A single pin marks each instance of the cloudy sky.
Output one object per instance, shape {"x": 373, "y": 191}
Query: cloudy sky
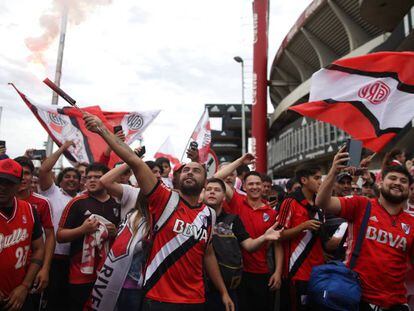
{"x": 133, "y": 55}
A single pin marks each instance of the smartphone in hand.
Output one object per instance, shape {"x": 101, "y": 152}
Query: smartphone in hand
{"x": 39, "y": 154}
{"x": 117, "y": 129}
{"x": 141, "y": 152}
{"x": 354, "y": 148}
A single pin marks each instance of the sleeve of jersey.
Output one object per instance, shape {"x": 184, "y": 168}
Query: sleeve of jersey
{"x": 285, "y": 213}
{"x": 158, "y": 199}
{"x": 239, "y": 230}
{"x": 37, "y": 227}
{"x": 234, "y": 203}
{"x": 352, "y": 207}
{"x": 46, "y": 216}
{"x": 69, "y": 215}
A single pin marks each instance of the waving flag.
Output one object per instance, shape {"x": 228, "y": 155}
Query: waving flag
{"x": 133, "y": 123}
{"x": 370, "y": 97}
{"x": 202, "y": 135}
{"x": 167, "y": 151}
{"x": 63, "y": 124}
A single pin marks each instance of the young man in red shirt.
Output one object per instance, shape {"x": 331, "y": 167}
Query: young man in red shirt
{"x": 79, "y": 219}
{"x": 230, "y": 225}
{"x": 181, "y": 247}
{"x": 388, "y": 243}
{"x": 257, "y": 216}
{"x": 20, "y": 233}
{"x": 302, "y": 243}
{"x": 42, "y": 206}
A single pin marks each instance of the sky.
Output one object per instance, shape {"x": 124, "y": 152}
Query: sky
{"x": 131, "y": 55}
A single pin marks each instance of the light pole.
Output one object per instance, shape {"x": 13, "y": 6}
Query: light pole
{"x": 240, "y": 60}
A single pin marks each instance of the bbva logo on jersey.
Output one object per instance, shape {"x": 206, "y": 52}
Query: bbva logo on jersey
{"x": 385, "y": 237}
{"x": 190, "y": 230}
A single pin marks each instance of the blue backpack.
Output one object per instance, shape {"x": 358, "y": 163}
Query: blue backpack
{"x": 334, "y": 286}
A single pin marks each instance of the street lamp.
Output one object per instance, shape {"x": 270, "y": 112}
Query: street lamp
{"x": 240, "y": 60}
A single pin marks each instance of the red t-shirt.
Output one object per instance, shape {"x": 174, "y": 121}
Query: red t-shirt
{"x": 43, "y": 209}
{"x": 292, "y": 213}
{"x": 383, "y": 261}
{"x": 256, "y": 222}
{"x": 16, "y": 234}
{"x": 174, "y": 270}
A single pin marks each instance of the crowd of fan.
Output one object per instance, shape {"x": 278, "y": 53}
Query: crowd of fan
{"x": 58, "y": 233}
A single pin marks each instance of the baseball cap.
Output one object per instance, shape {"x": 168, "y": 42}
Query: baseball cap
{"x": 343, "y": 175}
{"x": 178, "y": 167}
{"x": 11, "y": 170}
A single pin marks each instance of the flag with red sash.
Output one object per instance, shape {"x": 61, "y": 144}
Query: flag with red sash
{"x": 370, "y": 97}
{"x": 202, "y": 135}
{"x": 167, "y": 151}
{"x": 66, "y": 123}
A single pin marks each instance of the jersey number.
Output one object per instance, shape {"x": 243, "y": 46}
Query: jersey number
{"x": 21, "y": 255}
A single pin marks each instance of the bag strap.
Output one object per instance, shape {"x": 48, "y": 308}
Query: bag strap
{"x": 168, "y": 210}
{"x": 362, "y": 231}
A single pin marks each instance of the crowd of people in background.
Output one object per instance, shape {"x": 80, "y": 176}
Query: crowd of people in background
{"x": 143, "y": 235}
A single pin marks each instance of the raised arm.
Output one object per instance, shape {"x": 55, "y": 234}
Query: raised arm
{"x": 324, "y": 198}
{"x": 109, "y": 181}
{"x": 228, "y": 169}
{"x": 45, "y": 171}
{"x": 146, "y": 179}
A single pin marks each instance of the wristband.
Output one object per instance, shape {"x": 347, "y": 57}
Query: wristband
{"x": 37, "y": 262}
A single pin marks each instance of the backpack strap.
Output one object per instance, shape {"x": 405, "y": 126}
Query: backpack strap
{"x": 362, "y": 231}
{"x": 168, "y": 210}
{"x": 213, "y": 221}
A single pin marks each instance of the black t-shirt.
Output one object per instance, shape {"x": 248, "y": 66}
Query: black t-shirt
{"x": 237, "y": 228}
{"x": 80, "y": 209}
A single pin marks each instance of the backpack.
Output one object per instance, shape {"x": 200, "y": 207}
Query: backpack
{"x": 334, "y": 286}
{"x": 228, "y": 253}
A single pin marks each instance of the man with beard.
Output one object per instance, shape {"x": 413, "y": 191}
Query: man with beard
{"x": 181, "y": 247}
{"x": 83, "y": 216}
{"x": 59, "y": 194}
{"x": 382, "y": 261}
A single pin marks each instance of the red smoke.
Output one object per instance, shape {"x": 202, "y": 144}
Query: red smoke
{"x": 50, "y": 22}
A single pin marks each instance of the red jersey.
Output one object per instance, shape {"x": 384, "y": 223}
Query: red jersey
{"x": 17, "y": 231}
{"x": 298, "y": 256}
{"x": 256, "y": 221}
{"x": 43, "y": 209}
{"x": 383, "y": 260}
{"x": 174, "y": 270}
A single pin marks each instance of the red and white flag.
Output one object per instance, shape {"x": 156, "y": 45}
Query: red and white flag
{"x": 202, "y": 135}
{"x": 370, "y": 97}
{"x": 167, "y": 151}
{"x": 133, "y": 123}
{"x": 66, "y": 123}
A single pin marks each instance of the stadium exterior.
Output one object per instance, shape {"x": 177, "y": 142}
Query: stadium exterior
{"x": 328, "y": 30}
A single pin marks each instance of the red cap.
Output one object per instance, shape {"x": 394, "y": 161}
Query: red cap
{"x": 178, "y": 167}
{"x": 11, "y": 170}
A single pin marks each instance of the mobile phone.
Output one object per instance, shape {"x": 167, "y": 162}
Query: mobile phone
{"x": 2, "y": 144}
{"x": 117, "y": 129}
{"x": 39, "y": 154}
{"x": 354, "y": 148}
{"x": 194, "y": 145}
{"x": 141, "y": 152}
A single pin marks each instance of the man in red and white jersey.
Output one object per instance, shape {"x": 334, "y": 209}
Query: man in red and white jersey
{"x": 42, "y": 206}
{"x": 20, "y": 233}
{"x": 181, "y": 247}
{"x": 382, "y": 262}
{"x": 257, "y": 216}
{"x": 302, "y": 243}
